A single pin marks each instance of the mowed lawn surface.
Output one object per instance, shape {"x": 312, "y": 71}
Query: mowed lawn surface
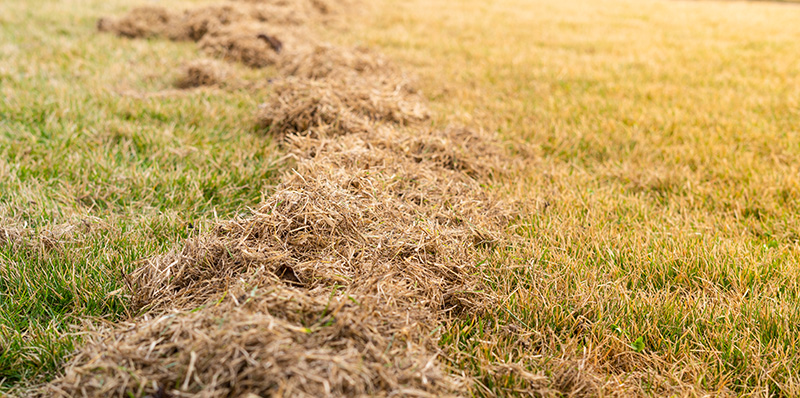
{"x": 662, "y": 239}
{"x": 102, "y": 165}
{"x": 659, "y": 143}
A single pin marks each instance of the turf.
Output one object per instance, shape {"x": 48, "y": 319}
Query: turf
{"x": 96, "y": 176}
{"x": 662, "y": 181}
{"x": 664, "y": 178}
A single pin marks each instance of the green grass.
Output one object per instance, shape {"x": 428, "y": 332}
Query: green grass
{"x": 97, "y": 176}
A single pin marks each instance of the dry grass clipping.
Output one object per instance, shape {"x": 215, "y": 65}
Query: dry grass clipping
{"x": 273, "y": 341}
{"x": 335, "y": 107}
{"x": 324, "y": 60}
{"x": 141, "y": 22}
{"x": 202, "y": 73}
{"x": 245, "y": 43}
{"x": 361, "y": 234}
{"x": 337, "y": 283}
{"x": 194, "y": 24}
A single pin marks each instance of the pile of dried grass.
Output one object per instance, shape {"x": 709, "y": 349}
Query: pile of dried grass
{"x": 202, "y": 73}
{"x": 336, "y": 285}
{"x": 236, "y": 32}
{"x": 245, "y": 43}
{"x": 356, "y": 213}
{"x": 269, "y": 341}
{"x": 361, "y": 233}
{"x": 325, "y": 61}
{"x": 194, "y": 24}
{"x": 332, "y": 107}
{"x": 141, "y": 22}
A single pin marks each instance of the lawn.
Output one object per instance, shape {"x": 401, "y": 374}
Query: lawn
{"x": 656, "y": 143}
{"x": 96, "y": 176}
{"x": 661, "y": 244}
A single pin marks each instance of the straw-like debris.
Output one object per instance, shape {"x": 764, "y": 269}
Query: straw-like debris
{"x": 324, "y": 60}
{"x": 269, "y": 341}
{"x": 357, "y": 210}
{"x": 385, "y": 241}
{"x": 245, "y": 43}
{"x": 335, "y": 107}
{"x": 195, "y": 24}
{"x": 203, "y": 73}
{"x": 337, "y": 283}
{"x": 141, "y": 22}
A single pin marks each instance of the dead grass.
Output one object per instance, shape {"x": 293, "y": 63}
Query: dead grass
{"x": 203, "y": 73}
{"x": 271, "y": 340}
{"x": 327, "y": 61}
{"x": 338, "y": 283}
{"x": 236, "y": 32}
{"x": 241, "y": 42}
{"x": 362, "y": 229}
{"x": 336, "y": 107}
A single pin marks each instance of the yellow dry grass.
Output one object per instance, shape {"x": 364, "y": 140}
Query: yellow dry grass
{"x": 661, "y": 251}
{"x": 338, "y": 283}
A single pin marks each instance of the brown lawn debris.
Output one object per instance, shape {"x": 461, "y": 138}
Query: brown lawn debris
{"x": 141, "y": 22}
{"x": 275, "y": 340}
{"x": 325, "y": 60}
{"x": 383, "y": 240}
{"x": 335, "y": 107}
{"x": 202, "y": 73}
{"x": 338, "y": 283}
{"x": 194, "y": 24}
{"x": 247, "y": 43}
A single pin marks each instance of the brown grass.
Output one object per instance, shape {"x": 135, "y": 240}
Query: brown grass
{"x": 252, "y": 34}
{"x": 338, "y": 282}
{"x": 365, "y": 224}
{"x": 141, "y": 22}
{"x": 272, "y": 340}
{"x": 202, "y": 73}
{"x": 336, "y": 107}
{"x": 324, "y": 60}
{"x": 241, "y": 42}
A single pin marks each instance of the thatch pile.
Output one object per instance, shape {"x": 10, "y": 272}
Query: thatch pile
{"x": 319, "y": 61}
{"x": 336, "y": 107}
{"x": 272, "y": 340}
{"x": 252, "y": 33}
{"x": 338, "y": 283}
{"x": 203, "y": 72}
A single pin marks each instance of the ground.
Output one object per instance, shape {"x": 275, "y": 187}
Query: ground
{"x": 657, "y": 145}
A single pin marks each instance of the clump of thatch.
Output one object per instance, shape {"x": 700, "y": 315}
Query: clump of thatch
{"x": 140, "y": 22}
{"x": 245, "y": 43}
{"x": 335, "y": 107}
{"x": 194, "y": 24}
{"x": 379, "y": 233}
{"x": 338, "y": 281}
{"x": 203, "y": 73}
{"x": 359, "y": 213}
{"x": 324, "y": 60}
{"x": 474, "y": 153}
{"x": 269, "y": 341}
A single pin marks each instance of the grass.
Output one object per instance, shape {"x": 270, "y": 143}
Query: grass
{"x": 95, "y": 176}
{"x": 661, "y": 240}
{"x": 663, "y": 182}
